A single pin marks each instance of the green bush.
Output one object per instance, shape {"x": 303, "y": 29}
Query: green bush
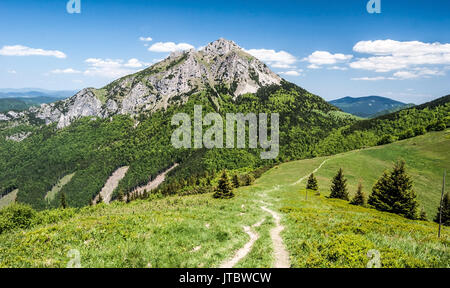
{"x": 419, "y": 130}
{"x": 16, "y": 216}
{"x": 437, "y": 126}
{"x": 407, "y": 134}
{"x": 386, "y": 139}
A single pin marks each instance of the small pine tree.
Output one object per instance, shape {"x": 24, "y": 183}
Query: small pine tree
{"x": 393, "y": 193}
{"x": 360, "y": 198}
{"x": 339, "y": 186}
{"x": 423, "y": 215}
{"x": 236, "y": 183}
{"x": 249, "y": 179}
{"x": 100, "y": 199}
{"x": 63, "y": 201}
{"x": 445, "y": 211}
{"x": 121, "y": 195}
{"x": 312, "y": 183}
{"x": 128, "y": 197}
{"x": 225, "y": 188}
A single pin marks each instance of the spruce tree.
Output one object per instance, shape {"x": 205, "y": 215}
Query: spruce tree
{"x": 121, "y": 195}
{"x": 360, "y": 198}
{"x": 339, "y": 186}
{"x": 249, "y": 179}
{"x": 236, "y": 183}
{"x": 312, "y": 183}
{"x": 423, "y": 215}
{"x": 445, "y": 211}
{"x": 393, "y": 193}
{"x": 225, "y": 188}
{"x": 100, "y": 199}
{"x": 63, "y": 201}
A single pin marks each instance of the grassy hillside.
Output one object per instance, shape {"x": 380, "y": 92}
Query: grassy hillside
{"x": 407, "y": 123}
{"x": 426, "y": 158}
{"x": 94, "y": 148}
{"x": 199, "y": 231}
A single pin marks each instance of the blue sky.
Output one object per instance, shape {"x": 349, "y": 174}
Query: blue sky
{"x": 331, "y": 48}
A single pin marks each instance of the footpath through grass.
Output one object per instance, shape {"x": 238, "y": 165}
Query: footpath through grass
{"x": 323, "y": 232}
{"x": 199, "y": 231}
{"x": 189, "y": 231}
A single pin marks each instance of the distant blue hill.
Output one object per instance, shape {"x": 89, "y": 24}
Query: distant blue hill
{"x": 22, "y": 99}
{"x": 370, "y": 106}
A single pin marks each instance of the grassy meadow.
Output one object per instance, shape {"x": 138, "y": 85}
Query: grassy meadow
{"x": 200, "y": 231}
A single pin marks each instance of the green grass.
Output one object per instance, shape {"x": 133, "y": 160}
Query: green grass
{"x": 55, "y": 189}
{"x": 426, "y": 158}
{"x": 320, "y": 232}
{"x": 100, "y": 94}
{"x": 158, "y": 233}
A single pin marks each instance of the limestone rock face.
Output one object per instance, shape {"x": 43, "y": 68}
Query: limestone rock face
{"x": 221, "y": 63}
{"x": 84, "y": 103}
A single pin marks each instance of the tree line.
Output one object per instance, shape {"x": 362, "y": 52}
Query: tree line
{"x": 393, "y": 192}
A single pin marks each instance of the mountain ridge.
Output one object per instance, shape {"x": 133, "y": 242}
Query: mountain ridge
{"x": 221, "y": 64}
{"x": 369, "y": 106}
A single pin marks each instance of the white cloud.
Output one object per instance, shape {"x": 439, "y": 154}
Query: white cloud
{"x": 291, "y": 73}
{"x": 338, "y": 68}
{"x": 166, "y": 47}
{"x": 398, "y": 48}
{"x": 12, "y": 71}
{"x": 405, "y": 75}
{"x": 282, "y": 66}
{"x": 391, "y": 55}
{"x": 325, "y": 58}
{"x": 417, "y": 73}
{"x": 314, "y": 66}
{"x": 65, "y": 71}
{"x": 280, "y": 59}
{"x": 111, "y": 68}
{"x": 19, "y": 50}
{"x": 373, "y": 78}
{"x": 135, "y": 63}
{"x": 146, "y": 39}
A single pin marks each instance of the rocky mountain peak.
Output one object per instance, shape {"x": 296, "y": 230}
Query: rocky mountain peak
{"x": 221, "y": 47}
{"x": 221, "y": 63}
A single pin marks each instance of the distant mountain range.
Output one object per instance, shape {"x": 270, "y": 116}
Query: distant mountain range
{"x": 370, "y": 106}
{"x": 22, "y": 99}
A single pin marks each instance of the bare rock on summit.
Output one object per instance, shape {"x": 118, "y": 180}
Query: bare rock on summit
{"x": 221, "y": 63}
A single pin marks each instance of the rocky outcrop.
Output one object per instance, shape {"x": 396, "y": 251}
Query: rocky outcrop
{"x": 19, "y": 137}
{"x": 221, "y": 63}
{"x": 84, "y": 103}
{"x": 3, "y": 117}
